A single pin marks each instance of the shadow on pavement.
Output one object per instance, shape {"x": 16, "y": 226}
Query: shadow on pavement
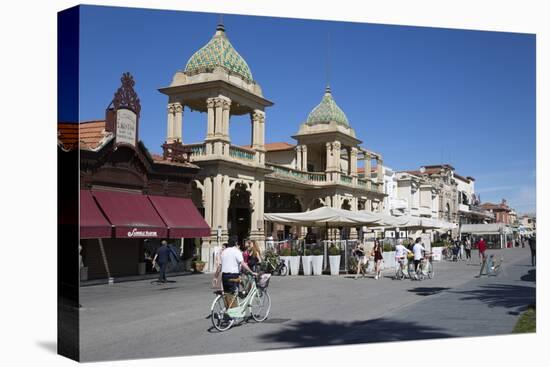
{"x": 50, "y": 346}
{"x": 428, "y": 291}
{"x": 531, "y": 276}
{"x": 502, "y": 295}
{"x": 319, "y": 333}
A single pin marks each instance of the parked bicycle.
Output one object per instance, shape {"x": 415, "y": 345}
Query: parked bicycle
{"x": 249, "y": 301}
{"x": 275, "y": 266}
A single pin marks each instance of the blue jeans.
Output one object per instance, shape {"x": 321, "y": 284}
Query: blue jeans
{"x": 162, "y": 272}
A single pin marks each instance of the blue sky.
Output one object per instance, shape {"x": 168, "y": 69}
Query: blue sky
{"x": 416, "y": 95}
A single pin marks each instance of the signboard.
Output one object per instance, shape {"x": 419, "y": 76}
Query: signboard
{"x": 126, "y": 127}
{"x": 135, "y": 233}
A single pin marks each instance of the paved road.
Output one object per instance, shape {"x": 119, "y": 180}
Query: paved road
{"x": 141, "y": 320}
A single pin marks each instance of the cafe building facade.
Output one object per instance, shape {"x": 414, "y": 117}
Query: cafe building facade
{"x": 129, "y": 200}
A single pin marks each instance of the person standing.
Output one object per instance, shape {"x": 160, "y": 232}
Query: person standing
{"x": 482, "y": 247}
{"x": 253, "y": 257}
{"x": 377, "y": 252}
{"x": 162, "y": 257}
{"x": 468, "y": 248}
{"x": 360, "y": 257}
{"x": 418, "y": 252}
{"x": 533, "y": 248}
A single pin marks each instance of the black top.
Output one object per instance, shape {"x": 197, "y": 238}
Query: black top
{"x": 163, "y": 254}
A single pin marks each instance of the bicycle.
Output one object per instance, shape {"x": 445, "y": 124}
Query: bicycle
{"x": 270, "y": 265}
{"x": 254, "y": 303}
{"x": 425, "y": 268}
{"x": 401, "y": 266}
{"x": 490, "y": 267}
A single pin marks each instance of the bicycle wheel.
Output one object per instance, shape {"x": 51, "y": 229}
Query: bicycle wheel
{"x": 220, "y": 319}
{"x": 283, "y": 271}
{"x": 260, "y": 305}
{"x": 411, "y": 272}
{"x": 430, "y": 270}
{"x": 399, "y": 273}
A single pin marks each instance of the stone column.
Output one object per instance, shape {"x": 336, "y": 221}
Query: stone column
{"x": 217, "y": 202}
{"x": 304, "y": 158}
{"x": 170, "y": 122}
{"x": 329, "y": 156}
{"x": 225, "y": 118}
{"x": 218, "y": 123}
{"x": 208, "y": 201}
{"x": 224, "y": 204}
{"x": 336, "y": 156}
{"x": 380, "y": 170}
{"x": 178, "y": 121}
{"x": 368, "y": 163}
{"x": 353, "y": 162}
{"x": 298, "y": 157}
{"x": 211, "y": 116}
{"x": 257, "y": 119}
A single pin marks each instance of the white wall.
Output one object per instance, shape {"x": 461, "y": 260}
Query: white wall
{"x": 285, "y": 158}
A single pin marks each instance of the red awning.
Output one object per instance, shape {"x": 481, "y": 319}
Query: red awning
{"x": 92, "y": 222}
{"x": 181, "y": 216}
{"x": 133, "y": 215}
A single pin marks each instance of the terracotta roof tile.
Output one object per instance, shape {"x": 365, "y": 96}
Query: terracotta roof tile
{"x": 277, "y": 146}
{"x": 88, "y": 134}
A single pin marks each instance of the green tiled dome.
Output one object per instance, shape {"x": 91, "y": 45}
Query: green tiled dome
{"x": 327, "y": 111}
{"x": 218, "y": 52}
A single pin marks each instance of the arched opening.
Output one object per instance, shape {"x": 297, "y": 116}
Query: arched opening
{"x": 448, "y": 212}
{"x": 346, "y": 205}
{"x": 239, "y": 213}
{"x": 280, "y": 202}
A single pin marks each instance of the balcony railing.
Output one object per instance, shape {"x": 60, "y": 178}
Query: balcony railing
{"x": 346, "y": 179}
{"x": 197, "y": 150}
{"x": 241, "y": 153}
{"x": 317, "y": 177}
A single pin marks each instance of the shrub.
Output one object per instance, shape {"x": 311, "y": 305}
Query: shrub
{"x": 316, "y": 252}
{"x": 333, "y": 250}
{"x": 387, "y": 247}
{"x": 293, "y": 252}
{"x": 285, "y": 252}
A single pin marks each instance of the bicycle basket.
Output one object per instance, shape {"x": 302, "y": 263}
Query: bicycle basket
{"x": 263, "y": 280}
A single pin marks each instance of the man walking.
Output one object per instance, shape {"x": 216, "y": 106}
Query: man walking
{"x": 533, "y": 248}
{"x": 482, "y": 247}
{"x": 232, "y": 261}
{"x": 162, "y": 257}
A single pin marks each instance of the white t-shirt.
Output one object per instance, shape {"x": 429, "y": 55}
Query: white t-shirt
{"x": 417, "y": 250}
{"x": 231, "y": 259}
{"x": 400, "y": 251}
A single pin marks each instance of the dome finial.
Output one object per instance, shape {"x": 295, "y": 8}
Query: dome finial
{"x": 220, "y": 27}
{"x": 327, "y": 90}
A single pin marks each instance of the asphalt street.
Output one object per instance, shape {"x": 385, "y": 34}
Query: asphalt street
{"x": 141, "y": 319}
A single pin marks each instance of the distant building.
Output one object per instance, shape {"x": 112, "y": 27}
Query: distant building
{"x": 502, "y": 212}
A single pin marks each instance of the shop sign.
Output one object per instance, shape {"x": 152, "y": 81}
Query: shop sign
{"x": 126, "y": 123}
{"x": 142, "y": 233}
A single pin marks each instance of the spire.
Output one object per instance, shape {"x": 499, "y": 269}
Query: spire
{"x": 220, "y": 28}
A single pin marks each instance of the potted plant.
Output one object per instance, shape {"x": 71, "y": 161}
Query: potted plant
{"x": 294, "y": 262}
{"x": 306, "y": 262}
{"x": 334, "y": 260}
{"x": 317, "y": 261}
{"x": 198, "y": 265}
{"x": 285, "y": 256}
